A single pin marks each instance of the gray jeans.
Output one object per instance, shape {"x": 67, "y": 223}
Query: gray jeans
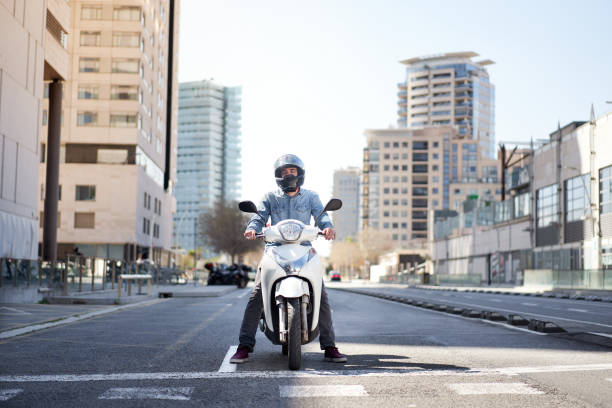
{"x": 252, "y": 315}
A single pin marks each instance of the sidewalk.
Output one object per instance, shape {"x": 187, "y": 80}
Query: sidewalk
{"x": 111, "y": 296}
{"x": 19, "y": 319}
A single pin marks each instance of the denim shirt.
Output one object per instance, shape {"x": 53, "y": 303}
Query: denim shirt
{"x": 280, "y": 206}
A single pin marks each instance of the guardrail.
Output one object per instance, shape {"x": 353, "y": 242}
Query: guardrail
{"x": 78, "y": 273}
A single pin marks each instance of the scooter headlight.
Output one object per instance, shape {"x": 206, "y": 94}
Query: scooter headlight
{"x": 290, "y": 231}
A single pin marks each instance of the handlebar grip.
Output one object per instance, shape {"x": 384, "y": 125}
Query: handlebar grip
{"x": 321, "y": 233}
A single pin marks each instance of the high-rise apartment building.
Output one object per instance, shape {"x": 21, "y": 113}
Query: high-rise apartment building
{"x": 450, "y": 89}
{"x": 346, "y": 188}
{"x": 209, "y": 151}
{"x": 117, "y": 158}
{"x": 407, "y": 172}
{"x": 33, "y": 48}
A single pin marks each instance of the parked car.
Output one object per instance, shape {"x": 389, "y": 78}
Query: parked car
{"x": 222, "y": 274}
{"x": 335, "y": 276}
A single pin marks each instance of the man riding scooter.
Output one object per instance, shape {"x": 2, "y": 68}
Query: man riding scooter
{"x": 289, "y": 202}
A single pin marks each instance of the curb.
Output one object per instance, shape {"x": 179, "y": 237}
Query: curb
{"x": 7, "y": 334}
{"x": 547, "y": 294}
{"x": 539, "y": 326}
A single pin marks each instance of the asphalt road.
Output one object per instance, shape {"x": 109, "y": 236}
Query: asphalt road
{"x": 172, "y": 352}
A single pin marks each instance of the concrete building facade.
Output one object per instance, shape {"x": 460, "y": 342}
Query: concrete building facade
{"x": 559, "y": 219}
{"x": 408, "y": 172}
{"x": 346, "y": 188}
{"x": 118, "y": 145}
{"x": 209, "y": 153}
{"x": 450, "y": 89}
{"x": 33, "y": 46}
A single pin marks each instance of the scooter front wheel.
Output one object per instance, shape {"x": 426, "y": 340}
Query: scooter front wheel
{"x": 294, "y": 335}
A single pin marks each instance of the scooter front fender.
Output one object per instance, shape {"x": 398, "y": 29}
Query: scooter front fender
{"x": 291, "y": 287}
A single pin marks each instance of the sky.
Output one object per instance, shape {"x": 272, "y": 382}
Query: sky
{"x": 316, "y": 74}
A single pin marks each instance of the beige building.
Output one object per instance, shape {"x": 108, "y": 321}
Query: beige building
{"x": 33, "y": 47}
{"x": 449, "y": 89}
{"x": 346, "y": 188}
{"x": 118, "y": 150}
{"x": 408, "y": 172}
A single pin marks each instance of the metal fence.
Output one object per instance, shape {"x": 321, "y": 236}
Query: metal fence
{"x": 597, "y": 279}
{"x": 78, "y": 273}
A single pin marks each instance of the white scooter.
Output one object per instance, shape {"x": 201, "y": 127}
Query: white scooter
{"x": 291, "y": 281}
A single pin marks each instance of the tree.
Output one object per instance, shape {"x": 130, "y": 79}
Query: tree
{"x": 222, "y": 228}
{"x": 345, "y": 255}
{"x": 374, "y": 243}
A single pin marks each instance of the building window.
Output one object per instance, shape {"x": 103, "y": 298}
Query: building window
{"x": 85, "y": 193}
{"x": 44, "y": 117}
{"x": 90, "y": 12}
{"x": 419, "y": 226}
{"x": 90, "y": 38}
{"x": 87, "y": 118}
{"x": 126, "y": 39}
{"x": 419, "y": 145}
{"x": 125, "y": 65}
{"x": 419, "y": 157}
{"x": 87, "y": 64}
{"x": 126, "y": 13}
{"x": 419, "y": 168}
{"x": 124, "y": 92}
{"x": 419, "y": 203}
{"x": 605, "y": 190}
{"x": 577, "y": 197}
{"x": 146, "y": 226}
{"x": 547, "y": 206}
{"x": 84, "y": 220}
{"x": 123, "y": 119}
{"x": 89, "y": 91}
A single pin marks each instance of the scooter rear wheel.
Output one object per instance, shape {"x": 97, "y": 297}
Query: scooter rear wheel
{"x": 285, "y": 349}
{"x": 294, "y": 335}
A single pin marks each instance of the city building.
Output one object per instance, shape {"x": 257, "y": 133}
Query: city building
{"x": 450, "y": 89}
{"x": 346, "y": 188}
{"x": 407, "y": 172}
{"x": 35, "y": 49}
{"x": 209, "y": 166}
{"x": 557, "y": 219}
{"x": 117, "y": 154}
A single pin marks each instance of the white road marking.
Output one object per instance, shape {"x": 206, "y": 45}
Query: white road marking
{"x": 495, "y": 300}
{"x": 6, "y": 395}
{"x": 15, "y": 310}
{"x": 164, "y": 393}
{"x": 493, "y": 388}
{"x": 510, "y": 371}
{"x": 577, "y": 310}
{"x": 226, "y": 366}
{"x": 601, "y": 334}
{"x": 246, "y": 292}
{"x": 36, "y": 327}
{"x": 529, "y": 304}
{"x": 308, "y": 391}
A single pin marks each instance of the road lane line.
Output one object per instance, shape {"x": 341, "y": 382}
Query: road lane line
{"x": 246, "y": 292}
{"x": 526, "y": 313}
{"x": 601, "y": 334}
{"x": 508, "y": 371}
{"x": 164, "y": 393}
{"x": 493, "y": 388}
{"x": 6, "y": 395}
{"x": 495, "y": 300}
{"x": 187, "y": 337}
{"x": 309, "y": 391}
{"x": 577, "y": 310}
{"x": 529, "y": 304}
{"x": 14, "y": 310}
{"x": 226, "y": 366}
{"x": 36, "y": 327}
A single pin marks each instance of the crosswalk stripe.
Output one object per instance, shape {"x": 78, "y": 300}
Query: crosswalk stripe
{"x": 163, "y": 393}
{"x": 6, "y": 395}
{"x": 307, "y": 391}
{"x": 493, "y": 388}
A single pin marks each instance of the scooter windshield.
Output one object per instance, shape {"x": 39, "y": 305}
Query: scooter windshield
{"x": 291, "y": 259}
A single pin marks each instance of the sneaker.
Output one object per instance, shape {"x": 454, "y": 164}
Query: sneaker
{"x": 241, "y": 355}
{"x": 332, "y": 354}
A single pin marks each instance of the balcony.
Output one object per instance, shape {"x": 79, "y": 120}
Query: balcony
{"x": 463, "y": 95}
{"x": 466, "y": 85}
{"x": 402, "y": 85}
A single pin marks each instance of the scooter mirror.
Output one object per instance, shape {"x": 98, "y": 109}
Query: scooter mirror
{"x": 247, "y": 206}
{"x": 333, "y": 205}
